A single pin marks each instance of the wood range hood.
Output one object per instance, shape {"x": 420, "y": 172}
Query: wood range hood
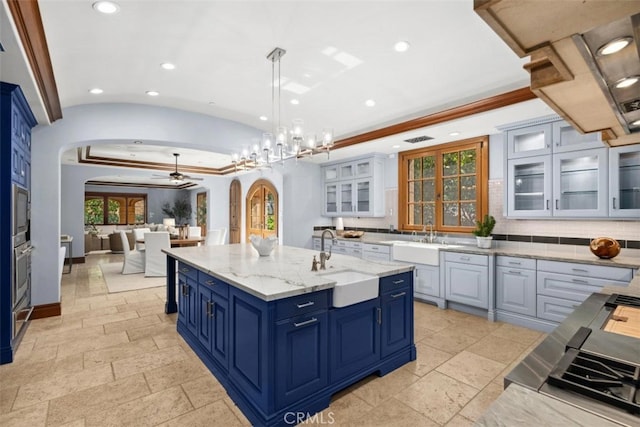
{"x": 561, "y": 38}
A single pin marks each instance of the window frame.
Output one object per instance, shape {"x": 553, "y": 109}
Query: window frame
{"x": 481, "y": 145}
{"x": 105, "y": 205}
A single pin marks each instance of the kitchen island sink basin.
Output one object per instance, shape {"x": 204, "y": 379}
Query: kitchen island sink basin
{"x": 352, "y": 287}
{"x": 419, "y": 253}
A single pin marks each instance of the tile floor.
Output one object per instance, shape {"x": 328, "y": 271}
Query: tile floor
{"x": 116, "y": 359}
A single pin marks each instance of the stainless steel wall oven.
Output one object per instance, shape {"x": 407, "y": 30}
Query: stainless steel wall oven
{"x": 21, "y": 286}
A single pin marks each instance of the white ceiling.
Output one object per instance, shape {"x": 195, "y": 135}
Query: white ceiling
{"x": 342, "y": 51}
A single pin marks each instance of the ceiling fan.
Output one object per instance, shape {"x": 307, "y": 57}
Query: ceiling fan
{"x": 176, "y": 176}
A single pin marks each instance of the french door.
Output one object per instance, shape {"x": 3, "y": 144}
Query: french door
{"x": 262, "y": 210}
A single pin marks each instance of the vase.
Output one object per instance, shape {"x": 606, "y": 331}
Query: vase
{"x": 484, "y": 242}
{"x": 605, "y": 247}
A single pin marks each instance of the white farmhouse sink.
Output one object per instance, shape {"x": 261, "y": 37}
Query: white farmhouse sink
{"x": 352, "y": 287}
{"x": 419, "y": 253}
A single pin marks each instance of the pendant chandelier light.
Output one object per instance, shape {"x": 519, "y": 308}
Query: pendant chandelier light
{"x": 281, "y": 143}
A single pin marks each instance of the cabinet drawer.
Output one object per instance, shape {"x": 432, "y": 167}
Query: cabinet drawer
{"x": 555, "y": 309}
{"x": 393, "y": 283}
{"x": 216, "y": 285}
{"x": 301, "y": 304}
{"x": 375, "y": 256}
{"x": 516, "y": 262}
{"x": 187, "y": 270}
{"x": 568, "y": 287}
{"x": 351, "y": 245}
{"x": 383, "y": 249}
{"x": 466, "y": 258}
{"x": 619, "y": 274}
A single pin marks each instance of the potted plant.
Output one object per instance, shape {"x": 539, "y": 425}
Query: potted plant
{"x": 483, "y": 231}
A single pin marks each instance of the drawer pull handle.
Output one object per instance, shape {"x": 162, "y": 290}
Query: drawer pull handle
{"x": 210, "y": 282}
{"x": 398, "y": 282}
{"x": 184, "y": 270}
{"x": 306, "y": 322}
{"x": 210, "y": 306}
{"x": 515, "y": 272}
{"x": 306, "y": 304}
{"x": 398, "y": 295}
{"x": 379, "y": 316}
{"x": 586, "y": 282}
{"x": 374, "y": 248}
{"x": 465, "y": 258}
{"x": 515, "y": 262}
{"x": 580, "y": 270}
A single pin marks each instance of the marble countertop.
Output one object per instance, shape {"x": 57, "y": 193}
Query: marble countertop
{"x": 284, "y": 273}
{"x": 545, "y": 252}
{"x": 518, "y": 405}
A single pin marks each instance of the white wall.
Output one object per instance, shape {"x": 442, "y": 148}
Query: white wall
{"x": 104, "y": 123}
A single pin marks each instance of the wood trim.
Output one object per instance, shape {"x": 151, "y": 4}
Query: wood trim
{"x": 26, "y": 15}
{"x": 480, "y": 106}
{"x": 46, "y": 310}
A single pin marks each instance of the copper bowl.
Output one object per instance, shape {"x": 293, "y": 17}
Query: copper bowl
{"x": 604, "y": 247}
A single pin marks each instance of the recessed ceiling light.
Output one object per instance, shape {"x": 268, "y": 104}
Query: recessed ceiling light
{"x": 263, "y": 118}
{"x": 401, "y": 46}
{"x": 106, "y": 7}
{"x": 137, "y": 142}
{"x": 168, "y": 66}
{"x": 636, "y": 123}
{"x": 212, "y": 103}
{"x": 96, "y": 91}
{"x": 454, "y": 133}
{"x": 395, "y": 146}
{"x": 627, "y": 81}
{"x": 152, "y": 93}
{"x": 295, "y": 102}
{"x": 615, "y": 45}
{"x": 370, "y": 103}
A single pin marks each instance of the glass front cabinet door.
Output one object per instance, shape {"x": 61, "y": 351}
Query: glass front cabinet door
{"x": 331, "y": 199}
{"x": 580, "y": 183}
{"x": 529, "y": 141}
{"x": 529, "y": 187}
{"x": 624, "y": 176}
{"x": 566, "y": 138}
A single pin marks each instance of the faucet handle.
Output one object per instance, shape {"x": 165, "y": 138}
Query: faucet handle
{"x": 314, "y": 264}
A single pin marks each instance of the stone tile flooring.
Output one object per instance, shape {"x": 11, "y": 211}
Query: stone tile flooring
{"x": 116, "y": 359}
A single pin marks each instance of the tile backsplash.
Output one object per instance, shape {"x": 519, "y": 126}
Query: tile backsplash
{"x": 569, "y": 228}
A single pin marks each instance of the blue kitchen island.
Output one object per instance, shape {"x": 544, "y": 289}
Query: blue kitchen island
{"x": 267, "y": 328}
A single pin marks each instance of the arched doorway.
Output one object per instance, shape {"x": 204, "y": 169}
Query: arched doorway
{"x": 262, "y": 209}
{"x": 235, "y": 211}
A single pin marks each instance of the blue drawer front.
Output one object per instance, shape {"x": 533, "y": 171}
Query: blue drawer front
{"x": 393, "y": 283}
{"x": 187, "y": 270}
{"x": 302, "y": 304}
{"x": 216, "y": 285}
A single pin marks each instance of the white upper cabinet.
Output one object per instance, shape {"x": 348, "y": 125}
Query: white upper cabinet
{"x": 529, "y": 141}
{"x": 580, "y": 183}
{"x": 624, "y": 167}
{"x": 354, "y": 188}
{"x": 566, "y": 138}
{"x": 554, "y": 171}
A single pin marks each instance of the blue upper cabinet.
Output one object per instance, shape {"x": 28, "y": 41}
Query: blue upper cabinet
{"x": 17, "y": 137}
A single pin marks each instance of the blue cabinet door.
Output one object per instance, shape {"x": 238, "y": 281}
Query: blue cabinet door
{"x": 213, "y": 324}
{"x": 301, "y": 357}
{"x": 397, "y": 320}
{"x": 250, "y": 342}
{"x": 355, "y": 338}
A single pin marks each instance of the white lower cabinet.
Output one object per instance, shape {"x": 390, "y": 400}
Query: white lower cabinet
{"x": 516, "y": 285}
{"x": 426, "y": 281}
{"x": 467, "y": 279}
{"x": 372, "y": 252}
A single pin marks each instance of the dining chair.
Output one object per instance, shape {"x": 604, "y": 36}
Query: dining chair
{"x": 138, "y": 234}
{"x": 216, "y": 236}
{"x": 155, "y": 261}
{"x": 195, "y": 232}
{"x": 133, "y": 258}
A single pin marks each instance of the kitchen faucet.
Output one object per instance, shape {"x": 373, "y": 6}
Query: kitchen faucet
{"x": 323, "y": 255}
